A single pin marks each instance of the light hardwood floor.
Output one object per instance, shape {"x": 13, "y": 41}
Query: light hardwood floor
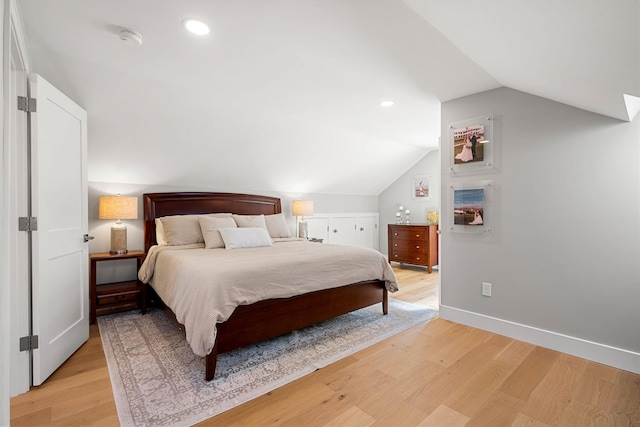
{"x": 435, "y": 374}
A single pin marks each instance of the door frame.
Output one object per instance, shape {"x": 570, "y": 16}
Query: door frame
{"x": 15, "y": 369}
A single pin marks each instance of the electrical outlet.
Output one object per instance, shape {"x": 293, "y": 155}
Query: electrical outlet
{"x": 486, "y": 289}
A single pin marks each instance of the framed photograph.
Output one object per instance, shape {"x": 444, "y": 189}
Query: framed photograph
{"x": 470, "y": 207}
{"x": 420, "y": 187}
{"x": 472, "y": 145}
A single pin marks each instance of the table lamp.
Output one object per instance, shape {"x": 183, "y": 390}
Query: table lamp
{"x": 118, "y": 208}
{"x": 302, "y": 208}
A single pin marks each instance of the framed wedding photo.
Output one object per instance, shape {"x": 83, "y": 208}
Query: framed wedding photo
{"x": 471, "y": 145}
{"x": 469, "y": 207}
{"x": 420, "y": 187}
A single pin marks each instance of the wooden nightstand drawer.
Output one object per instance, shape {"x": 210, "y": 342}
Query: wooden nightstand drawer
{"x": 115, "y": 293}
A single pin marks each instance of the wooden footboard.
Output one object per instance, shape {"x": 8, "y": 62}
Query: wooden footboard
{"x": 263, "y": 320}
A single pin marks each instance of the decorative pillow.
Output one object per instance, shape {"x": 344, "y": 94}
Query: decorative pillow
{"x": 209, "y": 226}
{"x": 181, "y": 230}
{"x": 160, "y": 239}
{"x": 177, "y": 222}
{"x": 255, "y": 221}
{"x": 277, "y": 225}
{"x": 247, "y": 237}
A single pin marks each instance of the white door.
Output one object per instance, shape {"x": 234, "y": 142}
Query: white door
{"x": 317, "y": 228}
{"x": 367, "y": 232}
{"x": 59, "y": 202}
{"x": 342, "y": 231}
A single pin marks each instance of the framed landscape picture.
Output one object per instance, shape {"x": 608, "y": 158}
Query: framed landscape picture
{"x": 420, "y": 187}
{"x": 469, "y": 207}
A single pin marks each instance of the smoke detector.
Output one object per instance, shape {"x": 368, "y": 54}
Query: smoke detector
{"x": 130, "y": 37}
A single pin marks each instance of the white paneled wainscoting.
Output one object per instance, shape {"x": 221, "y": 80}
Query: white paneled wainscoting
{"x": 354, "y": 229}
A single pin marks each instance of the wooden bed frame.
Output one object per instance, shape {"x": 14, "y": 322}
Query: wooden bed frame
{"x": 265, "y": 319}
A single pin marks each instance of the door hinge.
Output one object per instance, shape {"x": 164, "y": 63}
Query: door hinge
{"x": 27, "y": 223}
{"x": 28, "y": 105}
{"x": 29, "y": 343}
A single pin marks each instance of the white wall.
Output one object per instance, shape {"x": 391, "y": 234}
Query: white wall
{"x": 565, "y": 243}
{"x": 400, "y": 193}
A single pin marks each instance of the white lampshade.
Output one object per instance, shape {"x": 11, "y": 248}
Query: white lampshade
{"x": 302, "y": 208}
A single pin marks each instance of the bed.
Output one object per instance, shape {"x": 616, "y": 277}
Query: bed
{"x": 255, "y": 318}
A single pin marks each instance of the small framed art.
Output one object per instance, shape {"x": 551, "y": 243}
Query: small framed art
{"x": 420, "y": 187}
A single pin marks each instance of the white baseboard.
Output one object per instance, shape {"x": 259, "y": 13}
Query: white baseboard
{"x": 601, "y": 353}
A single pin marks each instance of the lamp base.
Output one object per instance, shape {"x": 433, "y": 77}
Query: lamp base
{"x": 118, "y": 240}
{"x": 303, "y": 230}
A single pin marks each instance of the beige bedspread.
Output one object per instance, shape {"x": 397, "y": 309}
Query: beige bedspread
{"x": 204, "y": 286}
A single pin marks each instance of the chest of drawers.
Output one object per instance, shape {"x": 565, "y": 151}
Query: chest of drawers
{"x": 414, "y": 244}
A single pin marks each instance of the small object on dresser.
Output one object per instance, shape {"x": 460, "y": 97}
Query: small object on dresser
{"x": 316, "y": 240}
{"x": 432, "y": 217}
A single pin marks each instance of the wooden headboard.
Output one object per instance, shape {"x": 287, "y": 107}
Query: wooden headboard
{"x": 163, "y": 204}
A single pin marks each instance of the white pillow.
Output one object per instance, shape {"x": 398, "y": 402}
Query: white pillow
{"x": 209, "y": 226}
{"x": 277, "y": 225}
{"x": 181, "y": 224}
{"x": 255, "y": 221}
{"x": 160, "y": 239}
{"x": 247, "y": 237}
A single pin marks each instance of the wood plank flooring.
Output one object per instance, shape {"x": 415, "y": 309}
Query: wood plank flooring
{"x": 435, "y": 374}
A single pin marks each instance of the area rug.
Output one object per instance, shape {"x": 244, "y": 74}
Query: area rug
{"x": 158, "y": 381}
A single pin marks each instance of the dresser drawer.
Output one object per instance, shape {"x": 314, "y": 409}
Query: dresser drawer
{"x": 414, "y": 246}
{"x": 408, "y": 233}
{"x": 409, "y": 257}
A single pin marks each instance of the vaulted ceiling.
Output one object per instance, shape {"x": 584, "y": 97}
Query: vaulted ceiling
{"x": 283, "y": 95}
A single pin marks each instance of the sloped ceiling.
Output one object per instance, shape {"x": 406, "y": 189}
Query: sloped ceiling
{"x": 283, "y": 95}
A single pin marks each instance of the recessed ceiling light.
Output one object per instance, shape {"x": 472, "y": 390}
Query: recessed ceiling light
{"x": 387, "y": 103}
{"x": 196, "y": 27}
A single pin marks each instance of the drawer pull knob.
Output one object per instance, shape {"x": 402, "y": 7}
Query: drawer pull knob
{"x": 418, "y": 247}
{"x": 417, "y": 235}
{"x": 395, "y": 244}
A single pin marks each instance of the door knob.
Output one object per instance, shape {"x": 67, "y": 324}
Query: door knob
{"x": 86, "y": 238}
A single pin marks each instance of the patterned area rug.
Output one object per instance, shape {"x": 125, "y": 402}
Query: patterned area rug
{"x": 158, "y": 381}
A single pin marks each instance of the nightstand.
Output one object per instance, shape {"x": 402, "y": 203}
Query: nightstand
{"x": 110, "y": 298}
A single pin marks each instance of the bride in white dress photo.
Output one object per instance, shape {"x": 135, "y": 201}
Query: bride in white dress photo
{"x": 477, "y": 220}
{"x": 466, "y": 155}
